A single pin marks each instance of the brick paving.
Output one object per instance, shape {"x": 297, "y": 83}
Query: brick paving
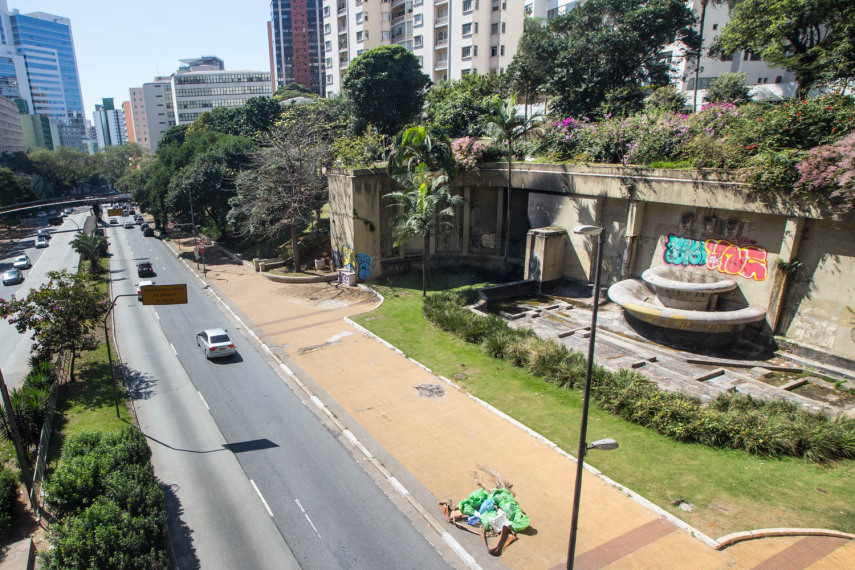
{"x": 441, "y": 441}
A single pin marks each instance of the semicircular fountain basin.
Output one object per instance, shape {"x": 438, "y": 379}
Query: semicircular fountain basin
{"x": 683, "y": 301}
{"x": 680, "y": 288}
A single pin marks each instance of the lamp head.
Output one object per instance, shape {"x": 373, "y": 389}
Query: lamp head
{"x": 588, "y": 230}
{"x": 604, "y": 444}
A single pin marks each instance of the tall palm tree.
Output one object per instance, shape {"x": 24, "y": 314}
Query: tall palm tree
{"x": 424, "y": 203}
{"x": 505, "y": 125}
{"x": 91, "y": 247}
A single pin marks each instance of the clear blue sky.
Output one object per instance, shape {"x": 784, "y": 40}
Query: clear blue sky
{"x": 124, "y": 44}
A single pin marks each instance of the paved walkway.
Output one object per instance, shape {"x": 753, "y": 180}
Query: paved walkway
{"x": 441, "y": 441}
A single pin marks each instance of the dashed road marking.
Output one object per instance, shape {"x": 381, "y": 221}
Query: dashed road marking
{"x": 260, "y": 496}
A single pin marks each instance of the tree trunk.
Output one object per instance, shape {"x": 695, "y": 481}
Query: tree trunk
{"x": 424, "y": 264}
{"x": 71, "y": 369}
{"x": 295, "y": 249}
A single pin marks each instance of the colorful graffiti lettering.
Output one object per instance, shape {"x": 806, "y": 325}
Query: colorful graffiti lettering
{"x": 718, "y": 254}
{"x": 684, "y": 251}
{"x": 364, "y": 261}
{"x": 349, "y": 258}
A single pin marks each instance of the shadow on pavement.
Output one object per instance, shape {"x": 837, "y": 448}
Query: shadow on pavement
{"x": 141, "y": 386}
{"x": 180, "y": 536}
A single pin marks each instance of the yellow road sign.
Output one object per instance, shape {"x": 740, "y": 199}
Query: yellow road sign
{"x": 164, "y": 294}
{"x": 117, "y": 212}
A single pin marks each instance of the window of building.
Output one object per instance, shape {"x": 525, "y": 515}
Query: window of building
{"x": 359, "y": 52}
{"x": 359, "y": 36}
{"x": 387, "y": 17}
{"x": 494, "y": 29}
{"x": 418, "y": 20}
{"x": 751, "y": 56}
{"x": 385, "y": 35}
{"x": 552, "y": 13}
{"x": 496, "y": 4}
{"x": 467, "y": 29}
{"x": 466, "y": 52}
{"x": 494, "y": 51}
{"x": 467, "y": 6}
{"x": 329, "y": 78}
{"x": 328, "y": 45}
{"x": 476, "y": 27}
{"x": 502, "y": 50}
{"x": 326, "y": 11}
{"x": 421, "y": 61}
{"x": 727, "y": 57}
{"x": 475, "y": 51}
{"x": 359, "y": 17}
{"x": 715, "y": 26}
{"x": 329, "y": 62}
{"x": 779, "y": 79}
{"x": 327, "y": 29}
{"x": 418, "y": 41}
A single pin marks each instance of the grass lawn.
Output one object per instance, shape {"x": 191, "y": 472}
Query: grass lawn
{"x": 730, "y": 490}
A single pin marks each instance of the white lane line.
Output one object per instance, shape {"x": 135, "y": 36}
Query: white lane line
{"x": 305, "y": 514}
{"x": 203, "y": 400}
{"x": 173, "y": 349}
{"x": 156, "y": 316}
{"x": 260, "y": 496}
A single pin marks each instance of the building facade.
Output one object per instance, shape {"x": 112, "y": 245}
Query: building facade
{"x": 39, "y": 132}
{"x": 296, "y": 44}
{"x": 158, "y": 110}
{"x": 110, "y": 126}
{"x": 39, "y": 49}
{"x": 11, "y": 132}
{"x": 129, "y": 121}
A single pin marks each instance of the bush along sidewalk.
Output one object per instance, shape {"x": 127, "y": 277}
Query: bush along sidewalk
{"x": 736, "y": 421}
{"x": 108, "y": 504}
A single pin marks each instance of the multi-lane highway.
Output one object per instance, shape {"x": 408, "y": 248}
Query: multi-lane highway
{"x": 15, "y": 347}
{"x": 253, "y": 478}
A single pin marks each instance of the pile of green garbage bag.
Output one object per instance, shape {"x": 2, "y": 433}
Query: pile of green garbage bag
{"x": 482, "y": 507}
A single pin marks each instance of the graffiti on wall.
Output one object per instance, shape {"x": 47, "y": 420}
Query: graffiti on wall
{"x": 363, "y": 260}
{"x": 349, "y": 261}
{"x": 718, "y": 254}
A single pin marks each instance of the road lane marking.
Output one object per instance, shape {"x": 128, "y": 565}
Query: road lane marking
{"x": 260, "y": 496}
{"x": 305, "y": 514}
{"x": 203, "y": 400}
{"x": 173, "y": 349}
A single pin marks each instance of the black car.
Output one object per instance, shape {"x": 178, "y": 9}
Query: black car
{"x": 55, "y": 221}
{"x": 144, "y": 268}
{"x": 148, "y": 232}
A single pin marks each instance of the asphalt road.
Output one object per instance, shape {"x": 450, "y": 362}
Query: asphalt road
{"x": 243, "y": 457}
{"x": 15, "y": 347}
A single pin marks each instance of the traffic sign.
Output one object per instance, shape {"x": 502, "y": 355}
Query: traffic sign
{"x": 164, "y": 294}
{"x": 170, "y": 225}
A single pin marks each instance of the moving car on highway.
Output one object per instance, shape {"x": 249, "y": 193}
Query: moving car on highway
{"x": 12, "y": 277}
{"x": 41, "y": 241}
{"x": 215, "y": 343}
{"x": 22, "y": 262}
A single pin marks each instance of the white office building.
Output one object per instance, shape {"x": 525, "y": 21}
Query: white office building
{"x": 110, "y": 127}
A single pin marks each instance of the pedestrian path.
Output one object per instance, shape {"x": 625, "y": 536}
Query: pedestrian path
{"x": 441, "y": 441}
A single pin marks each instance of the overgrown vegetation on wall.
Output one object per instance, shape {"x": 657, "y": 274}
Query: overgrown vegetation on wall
{"x": 772, "y": 428}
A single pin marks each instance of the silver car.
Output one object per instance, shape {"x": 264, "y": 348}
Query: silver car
{"x": 21, "y": 262}
{"x": 215, "y": 343}
{"x": 41, "y": 241}
{"x": 13, "y": 277}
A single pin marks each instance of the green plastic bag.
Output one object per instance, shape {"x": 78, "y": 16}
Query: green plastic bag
{"x": 470, "y": 505}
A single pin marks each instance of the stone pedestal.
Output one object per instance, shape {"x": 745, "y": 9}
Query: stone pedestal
{"x": 544, "y": 254}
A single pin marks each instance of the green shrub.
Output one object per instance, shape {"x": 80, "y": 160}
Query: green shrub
{"x": 8, "y": 495}
{"x": 771, "y": 428}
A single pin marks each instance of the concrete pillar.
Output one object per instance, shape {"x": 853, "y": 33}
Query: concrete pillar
{"x": 544, "y": 257}
{"x": 793, "y": 232}
{"x": 634, "y": 223}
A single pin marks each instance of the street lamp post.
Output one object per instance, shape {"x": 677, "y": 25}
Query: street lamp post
{"x": 109, "y": 354}
{"x": 583, "y": 445}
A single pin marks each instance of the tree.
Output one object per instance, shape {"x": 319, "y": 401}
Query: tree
{"x": 92, "y": 247}
{"x": 293, "y": 90}
{"x": 62, "y": 314}
{"x": 604, "y": 45}
{"x": 284, "y": 186}
{"x": 386, "y": 87}
{"x": 813, "y": 38}
{"x": 118, "y": 161}
{"x": 255, "y": 117}
{"x": 424, "y": 203}
{"x": 419, "y": 146}
{"x": 532, "y": 67}
{"x": 666, "y": 98}
{"x": 458, "y": 107}
{"x": 728, "y": 88}
{"x": 64, "y": 167}
{"x": 14, "y": 189}
{"x": 505, "y": 125}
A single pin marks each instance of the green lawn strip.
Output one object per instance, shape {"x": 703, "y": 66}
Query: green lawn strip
{"x": 731, "y": 490}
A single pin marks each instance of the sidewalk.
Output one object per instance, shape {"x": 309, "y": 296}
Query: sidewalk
{"x": 441, "y": 441}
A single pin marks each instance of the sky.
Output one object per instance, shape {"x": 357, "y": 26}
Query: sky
{"x": 124, "y": 44}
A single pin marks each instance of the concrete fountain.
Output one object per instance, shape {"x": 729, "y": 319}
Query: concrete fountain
{"x": 682, "y": 306}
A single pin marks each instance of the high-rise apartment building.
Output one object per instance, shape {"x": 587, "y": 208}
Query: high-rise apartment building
{"x": 11, "y": 131}
{"x": 158, "y": 113}
{"x": 296, "y": 44}
{"x": 38, "y": 64}
{"x": 110, "y": 127}
{"x": 451, "y": 38}
{"x": 129, "y": 121}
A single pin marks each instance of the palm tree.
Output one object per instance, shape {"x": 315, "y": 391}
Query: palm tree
{"x": 505, "y": 125}
{"x": 421, "y": 208}
{"x": 91, "y": 247}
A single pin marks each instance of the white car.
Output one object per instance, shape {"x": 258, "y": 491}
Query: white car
{"x": 215, "y": 343}
{"x": 129, "y": 224}
{"x": 41, "y": 241}
{"x": 114, "y": 221}
{"x": 21, "y": 262}
{"x": 140, "y": 285}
